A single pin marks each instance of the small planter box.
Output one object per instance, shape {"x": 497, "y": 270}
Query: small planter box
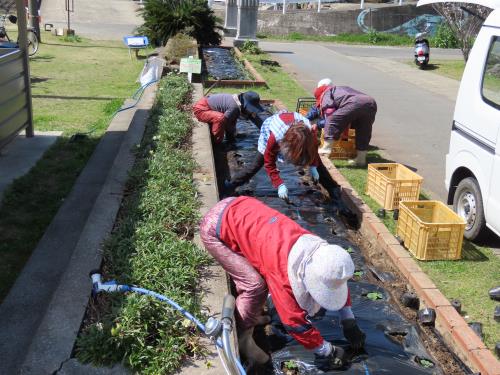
{"x": 430, "y": 230}
{"x": 345, "y": 147}
{"x": 391, "y": 183}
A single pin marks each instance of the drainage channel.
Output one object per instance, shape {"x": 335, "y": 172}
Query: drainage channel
{"x": 393, "y": 344}
{"x": 220, "y": 63}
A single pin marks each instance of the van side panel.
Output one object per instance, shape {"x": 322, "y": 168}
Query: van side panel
{"x": 493, "y": 205}
{"x": 466, "y": 153}
{"x": 479, "y": 118}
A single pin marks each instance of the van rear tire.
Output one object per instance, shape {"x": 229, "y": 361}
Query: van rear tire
{"x": 468, "y": 203}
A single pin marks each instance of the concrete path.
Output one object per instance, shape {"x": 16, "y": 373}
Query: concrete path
{"x": 415, "y": 108}
{"x": 42, "y": 314}
{"x": 19, "y": 156}
{"x": 105, "y": 20}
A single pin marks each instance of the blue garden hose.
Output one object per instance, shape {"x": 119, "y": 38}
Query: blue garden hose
{"x": 113, "y": 286}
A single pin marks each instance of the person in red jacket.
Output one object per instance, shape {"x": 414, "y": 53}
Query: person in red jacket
{"x": 221, "y": 111}
{"x": 291, "y": 135}
{"x": 265, "y": 252}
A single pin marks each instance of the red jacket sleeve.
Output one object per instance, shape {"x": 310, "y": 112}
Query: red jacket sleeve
{"x": 293, "y": 317}
{"x": 270, "y": 157}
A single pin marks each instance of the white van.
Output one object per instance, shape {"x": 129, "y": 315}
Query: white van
{"x": 473, "y": 160}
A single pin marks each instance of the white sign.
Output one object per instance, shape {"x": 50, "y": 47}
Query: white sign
{"x": 190, "y": 65}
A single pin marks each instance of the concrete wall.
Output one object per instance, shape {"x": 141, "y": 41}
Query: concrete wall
{"x": 335, "y": 22}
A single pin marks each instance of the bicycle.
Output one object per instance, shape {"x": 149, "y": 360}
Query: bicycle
{"x": 6, "y": 42}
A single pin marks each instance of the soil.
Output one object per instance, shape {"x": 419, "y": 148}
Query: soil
{"x": 431, "y": 339}
{"x": 377, "y": 269}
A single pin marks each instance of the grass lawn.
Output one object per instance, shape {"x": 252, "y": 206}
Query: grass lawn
{"x": 281, "y": 86}
{"x": 375, "y": 39}
{"x": 448, "y": 68}
{"x": 76, "y": 87}
{"x": 468, "y": 279}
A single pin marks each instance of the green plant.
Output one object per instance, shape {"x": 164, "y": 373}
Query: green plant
{"x": 445, "y": 37}
{"x": 71, "y": 39}
{"x": 165, "y": 18}
{"x": 291, "y": 365}
{"x": 373, "y": 36}
{"x": 251, "y": 48}
{"x": 150, "y": 246}
{"x": 374, "y": 296}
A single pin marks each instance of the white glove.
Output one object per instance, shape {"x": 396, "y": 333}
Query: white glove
{"x": 283, "y": 191}
{"x": 314, "y": 174}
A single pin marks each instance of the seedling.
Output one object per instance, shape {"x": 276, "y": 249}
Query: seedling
{"x": 290, "y": 368}
{"x": 350, "y": 250}
{"x": 424, "y": 362}
{"x": 374, "y": 296}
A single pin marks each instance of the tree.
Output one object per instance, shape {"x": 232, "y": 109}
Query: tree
{"x": 465, "y": 20}
{"x": 165, "y": 18}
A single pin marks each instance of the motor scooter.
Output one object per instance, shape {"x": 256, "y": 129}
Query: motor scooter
{"x": 422, "y": 50}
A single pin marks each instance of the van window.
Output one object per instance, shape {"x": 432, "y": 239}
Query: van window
{"x": 491, "y": 77}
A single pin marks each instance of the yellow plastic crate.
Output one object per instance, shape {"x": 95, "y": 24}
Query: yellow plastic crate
{"x": 304, "y": 104}
{"x": 344, "y": 148}
{"x": 390, "y": 183}
{"x": 430, "y": 230}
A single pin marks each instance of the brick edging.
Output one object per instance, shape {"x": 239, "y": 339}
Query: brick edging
{"x": 449, "y": 323}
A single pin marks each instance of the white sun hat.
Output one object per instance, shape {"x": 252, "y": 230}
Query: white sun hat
{"x": 325, "y": 82}
{"x": 326, "y": 275}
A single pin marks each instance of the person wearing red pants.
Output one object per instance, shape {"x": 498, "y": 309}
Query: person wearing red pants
{"x": 265, "y": 252}
{"x": 221, "y": 111}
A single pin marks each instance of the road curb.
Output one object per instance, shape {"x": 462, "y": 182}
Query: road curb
{"x": 215, "y": 283}
{"x": 452, "y": 327}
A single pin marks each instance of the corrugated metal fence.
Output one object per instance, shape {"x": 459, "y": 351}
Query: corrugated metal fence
{"x": 15, "y": 101}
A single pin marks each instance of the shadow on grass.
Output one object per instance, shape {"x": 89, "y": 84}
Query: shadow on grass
{"x": 106, "y": 98}
{"x": 84, "y": 46}
{"x": 45, "y": 58}
{"x": 31, "y": 202}
{"x": 471, "y": 252}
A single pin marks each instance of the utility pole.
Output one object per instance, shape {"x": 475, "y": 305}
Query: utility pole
{"x": 34, "y": 18}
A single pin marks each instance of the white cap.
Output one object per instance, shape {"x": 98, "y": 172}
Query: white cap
{"x": 325, "y": 82}
{"x": 326, "y": 275}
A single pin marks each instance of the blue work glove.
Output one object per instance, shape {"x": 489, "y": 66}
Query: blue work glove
{"x": 321, "y": 123}
{"x": 314, "y": 174}
{"x": 313, "y": 113}
{"x": 283, "y": 191}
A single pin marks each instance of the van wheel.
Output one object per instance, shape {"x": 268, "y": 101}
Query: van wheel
{"x": 468, "y": 203}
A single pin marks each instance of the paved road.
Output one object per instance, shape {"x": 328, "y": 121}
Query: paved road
{"x": 105, "y": 20}
{"x": 415, "y": 107}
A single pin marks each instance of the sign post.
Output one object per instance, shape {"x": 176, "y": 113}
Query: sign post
{"x": 190, "y": 65}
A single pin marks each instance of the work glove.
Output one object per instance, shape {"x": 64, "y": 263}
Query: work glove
{"x": 283, "y": 192}
{"x": 334, "y": 361}
{"x": 312, "y": 113}
{"x": 314, "y": 174}
{"x": 321, "y": 123}
{"x": 353, "y": 334}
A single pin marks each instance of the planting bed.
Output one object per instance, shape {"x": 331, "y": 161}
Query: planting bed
{"x": 396, "y": 343}
{"x": 221, "y": 66}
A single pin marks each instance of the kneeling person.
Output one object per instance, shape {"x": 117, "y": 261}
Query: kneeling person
{"x": 265, "y": 251}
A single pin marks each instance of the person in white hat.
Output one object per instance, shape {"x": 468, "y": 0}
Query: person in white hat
{"x": 265, "y": 252}
{"x": 341, "y": 107}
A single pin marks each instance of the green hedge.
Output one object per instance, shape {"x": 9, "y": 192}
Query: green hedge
{"x": 151, "y": 247}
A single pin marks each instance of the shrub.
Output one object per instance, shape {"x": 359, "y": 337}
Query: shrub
{"x": 251, "y": 48}
{"x": 374, "y": 36}
{"x": 445, "y": 37}
{"x": 165, "y": 18}
{"x": 150, "y": 247}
